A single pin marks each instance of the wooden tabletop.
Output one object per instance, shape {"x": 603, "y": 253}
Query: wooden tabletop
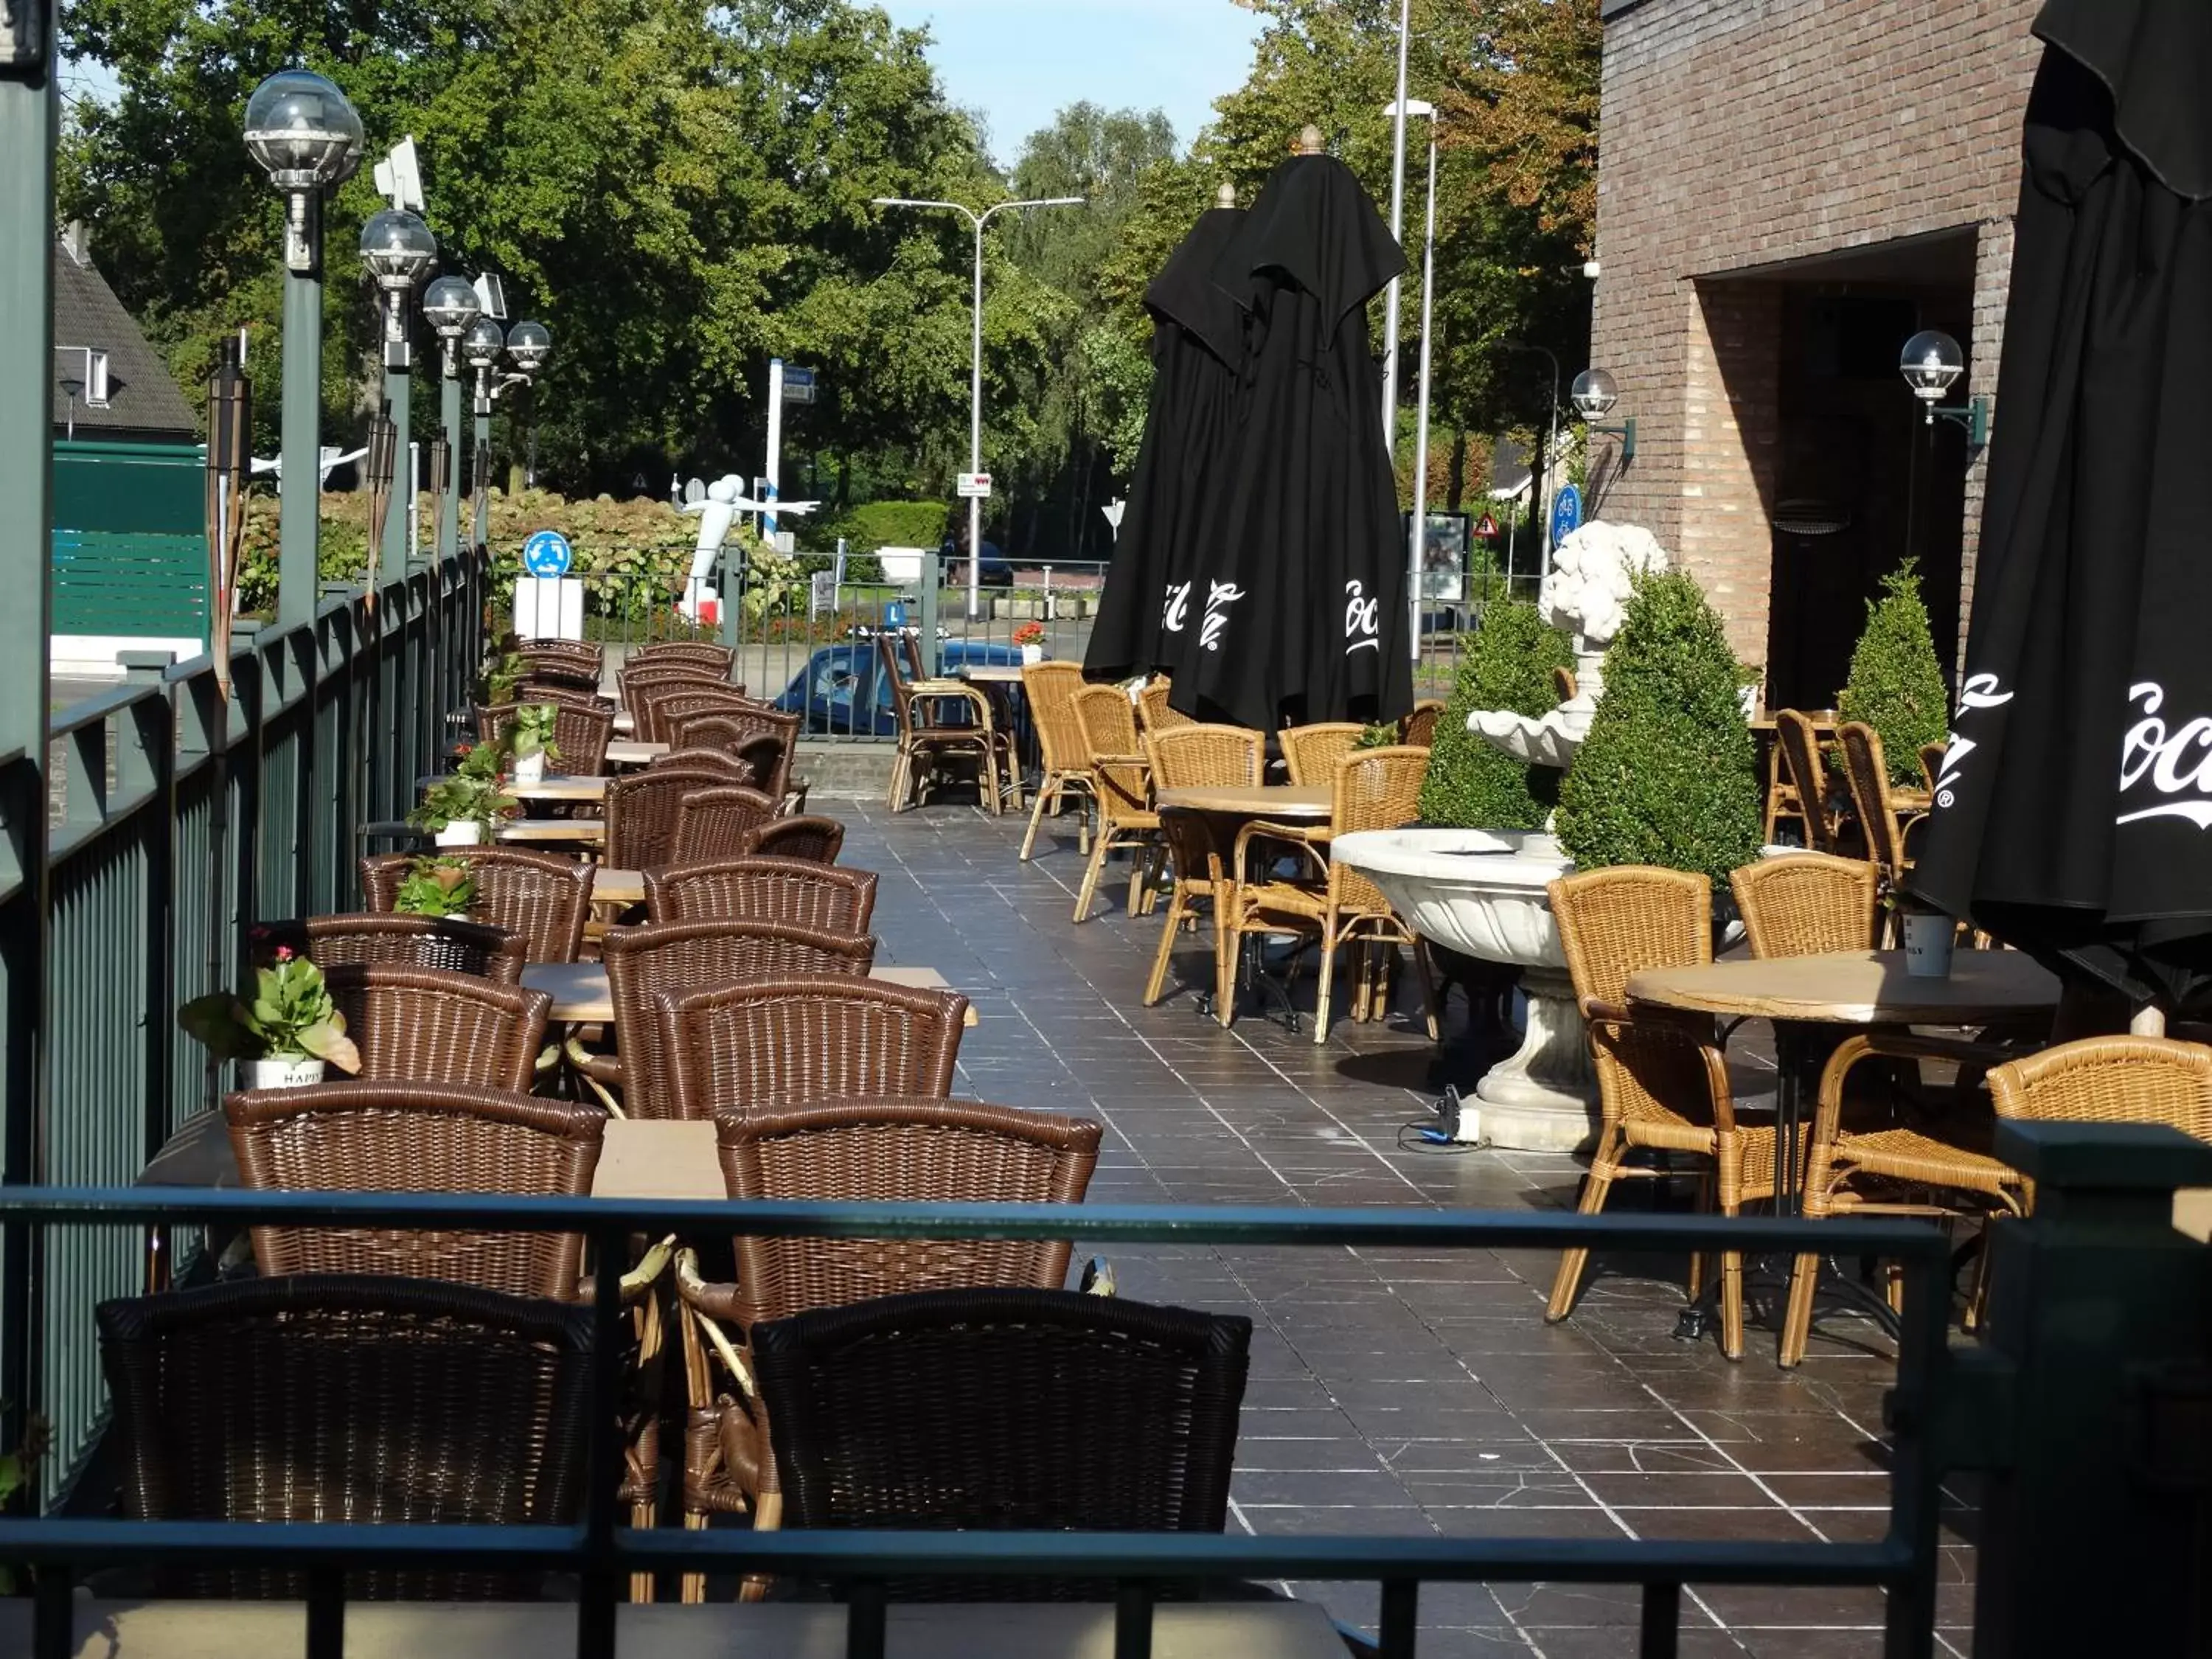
{"x": 1856, "y": 987}
{"x": 589, "y": 831}
{"x": 581, "y": 991}
{"x": 624, "y": 721}
{"x": 1300, "y": 801}
{"x": 993, "y": 674}
{"x": 628, "y": 751}
{"x": 612, "y": 886}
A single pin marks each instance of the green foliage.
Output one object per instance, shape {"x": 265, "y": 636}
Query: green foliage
{"x": 1667, "y": 775}
{"x": 1506, "y": 663}
{"x": 531, "y": 732}
{"x": 470, "y": 792}
{"x": 1376, "y": 737}
{"x": 885, "y": 524}
{"x": 289, "y": 1016}
{"x": 436, "y": 887}
{"x": 1896, "y": 683}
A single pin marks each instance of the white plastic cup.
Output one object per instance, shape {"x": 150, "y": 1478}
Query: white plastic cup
{"x": 1928, "y": 940}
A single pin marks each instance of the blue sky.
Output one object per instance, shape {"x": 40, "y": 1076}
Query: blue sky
{"x": 1020, "y": 61}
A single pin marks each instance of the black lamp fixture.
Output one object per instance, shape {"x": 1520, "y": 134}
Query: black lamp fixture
{"x": 1930, "y": 363}
{"x": 1594, "y": 394}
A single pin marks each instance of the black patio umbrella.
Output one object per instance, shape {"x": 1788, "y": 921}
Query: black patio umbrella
{"x": 1296, "y": 608}
{"x": 1198, "y": 359}
{"x": 2074, "y": 814}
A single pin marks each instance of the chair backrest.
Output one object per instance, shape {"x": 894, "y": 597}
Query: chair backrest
{"x": 1153, "y": 707}
{"x": 642, "y": 810}
{"x": 1197, "y": 757}
{"x": 681, "y": 956}
{"x": 697, "y": 653}
{"x": 1931, "y": 764}
{"x": 818, "y": 840}
{"x": 557, "y": 691}
{"x": 1373, "y": 789}
{"x": 1311, "y": 752}
{"x": 714, "y": 823}
{"x": 785, "y": 1042}
{"x": 492, "y": 720}
{"x": 348, "y": 1399}
{"x": 1616, "y": 922}
{"x": 442, "y": 942}
{"x": 1418, "y": 729}
{"x": 565, "y": 663}
{"x": 1106, "y": 720}
{"x": 1005, "y": 1409}
{"x": 1867, "y": 771}
{"x": 419, "y": 1137}
{"x": 2111, "y": 1079}
{"x": 894, "y": 1151}
{"x": 424, "y": 1025}
{"x": 769, "y": 755}
{"x": 755, "y": 888}
{"x": 644, "y": 692}
{"x": 894, "y": 674}
{"x": 1050, "y": 688}
{"x": 720, "y": 761}
{"x": 1808, "y": 904}
{"x": 1800, "y": 756}
{"x": 679, "y": 705}
{"x": 544, "y": 898}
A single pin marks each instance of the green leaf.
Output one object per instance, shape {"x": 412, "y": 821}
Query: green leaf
{"x": 326, "y": 1041}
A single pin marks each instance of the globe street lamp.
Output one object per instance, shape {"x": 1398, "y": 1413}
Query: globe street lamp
{"x": 1594, "y": 394}
{"x": 400, "y": 253}
{"x": 302, "y": 130}
{"x": 481, "y": 345}
{"x": 449, "y": 306}
{"x": 1930, "y": 362}
{"x": 528, "y": 347}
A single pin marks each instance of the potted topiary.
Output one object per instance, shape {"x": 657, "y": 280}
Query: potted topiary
{"x": 285, "y": 1034}
{"x": 1507, "y": 663}
{"x": 530, "y": 741}
{"x": 1896, "y": 683}
{"x": 436, "y": 887}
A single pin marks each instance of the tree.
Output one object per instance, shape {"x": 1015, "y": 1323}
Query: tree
{"x": 1506, "y": 663}
{"x": 1896, "y": 683}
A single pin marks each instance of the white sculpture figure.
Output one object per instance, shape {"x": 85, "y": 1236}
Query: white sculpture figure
{"x": 1593, "y": 572}
{"x": 717, "y": 512}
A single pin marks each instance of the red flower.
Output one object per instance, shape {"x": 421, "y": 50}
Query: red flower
{"x": 284, "y": 953}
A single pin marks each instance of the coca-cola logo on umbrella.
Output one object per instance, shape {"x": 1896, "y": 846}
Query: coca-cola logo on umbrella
{"x": 2170, "y": 763}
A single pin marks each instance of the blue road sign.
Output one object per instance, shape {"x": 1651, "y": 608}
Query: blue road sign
{"x": 798, "y": 384}
{"x": 1567, "y": 513}
{"x": 547, "y": 553}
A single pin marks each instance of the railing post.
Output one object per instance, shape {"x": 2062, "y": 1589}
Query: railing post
{"x": 932, "y": 660}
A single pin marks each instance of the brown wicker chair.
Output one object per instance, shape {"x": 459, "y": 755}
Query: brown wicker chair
{"x": 770, "y": 757}
{"x": 1019, "y": 1409}
{"x": 926, "y": 738}
{"x": 1806, "y": 792}
{"x": 894, "y": 1151}
{"x": 1050, "y": 688}
{"x": 565, "y": 662}
{"x": 644, "y": 691}
{"x": 1662, "y": 1082}
{"x": 542, "y": 897}
{"x": 422, "y": 1025}
{"x": 799, "y": 892}
{"x": 817, "y": 840}
{"x": 1198, "y": 757}
{"x": 680, "y": 957}
{"x": 359, "y": 1400}
{"x": 782, "y": 1042}
{"x": 728, "y": 766}
{"x": 557, "y": 691}
{"x": 1808, "y": 904}
{"x": 1931, "y": 765}
{"x": 717, "y": 824}
{"x": 1867, "y": 771}
{"x": 1153, "y": 707}
{"x": 1121, "y": 782}
{"x": 1373, "y": 789}
{"x": 580, "y": 735}
{"x": 693, "y": 701}
{"x": 441, "y": 942}
{"x": 1418, "y": 729}
{"x": 692, "y": 654}
{"x": 643, "y": 810}
{"x": 1311, "y": 752}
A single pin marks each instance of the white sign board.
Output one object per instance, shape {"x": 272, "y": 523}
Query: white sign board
{"x": 975, "y": 486}
{"x": 548, "y": 608}
{"x": 821, "y": 593}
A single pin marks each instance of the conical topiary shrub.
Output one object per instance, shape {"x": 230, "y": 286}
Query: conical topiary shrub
{"x": 1667, "y": 775}
{"x": 1507, "y": 664}
{"x": 1896, "y": 683}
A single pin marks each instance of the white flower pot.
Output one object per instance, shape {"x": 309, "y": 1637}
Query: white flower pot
{"x": 1032, "y": 654}
{"x": 529, "y": 769}
{"x": 285, "y": 1072}
{"x": 461, "y": 832}
{"x": 1928, "y": 941}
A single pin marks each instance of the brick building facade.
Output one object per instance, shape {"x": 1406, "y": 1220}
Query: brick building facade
{"x": 1783, "y": 186}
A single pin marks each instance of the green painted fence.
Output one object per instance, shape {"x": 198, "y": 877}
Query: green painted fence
{"x": 129, "y": 545}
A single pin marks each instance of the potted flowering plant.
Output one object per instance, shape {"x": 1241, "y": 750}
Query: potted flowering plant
{"x": 530, "y": 741}
{"x": 461, "y": 809}
{"x": 1030, "y": 637}
{"x": 286, "y": 1032}
{"x": 436, "y": 887}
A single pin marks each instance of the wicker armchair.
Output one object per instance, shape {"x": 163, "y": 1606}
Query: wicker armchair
{"x": 728, "y": 767}
{"x": 717, "y": 824}
{"x": 797, "y": 891}
{"x": 681, "y": 956}
{"x": 816, "y": 840}
{"x": 1808, "y": 904}
{"x": 782, "y": 1042}
{"x": 541, "y": 897}
{"x": 565, "y": 662}
{"x": 581, "y": 735}
{"x": 1050, "y": 688}
{"x": 1418, "y": 729}
{"x": 770, "y": 757}
{"x": 1194, "y": 758}
{"x": 1311, "y": 752}
{"x": 898, "y": 1151}
{"x": 642, "y": 812}
{"x": 1867, "y": 771}
{"x": 1121, "y": 782}
{"x": 1802, "y": 790}
{"x": 1152, "y": 706}
{"x": 926, "y": 740}
{"x": 557, "y": 691}
{"x": 1373, "y": 789}
{"x": 424, "y": 1026}
{"x": 1662, "y": 1082}
{"x": 644, "y": 690}
{"x": 690, "y": 654}
{"x": 445, "y": 943}
{"x": 1020, "y": 1409}
{"x": 679, "y": 705}
{"x": 348, "y": 1399}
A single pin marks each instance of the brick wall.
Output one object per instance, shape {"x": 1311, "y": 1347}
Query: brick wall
{"x": 1738, "y": 134}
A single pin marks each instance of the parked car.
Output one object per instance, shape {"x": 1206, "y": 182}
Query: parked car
{"x": 993, "y": 570}
{"x": 842, "y": 690}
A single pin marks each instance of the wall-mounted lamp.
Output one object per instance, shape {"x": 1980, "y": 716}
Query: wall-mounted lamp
{"x": 1930, "y": 363}
{"x": 1594, "y": 395}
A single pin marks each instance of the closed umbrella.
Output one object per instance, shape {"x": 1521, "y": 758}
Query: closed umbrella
{"x": 2074, "y": 810}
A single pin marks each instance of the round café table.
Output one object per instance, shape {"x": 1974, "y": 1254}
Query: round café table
{"x": 1201, "y": 827}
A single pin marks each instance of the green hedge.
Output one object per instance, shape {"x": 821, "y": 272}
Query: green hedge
{"x": 884, "y": 523}
{"x": 1896, "y": 683}
{"x": 1506, "y": 663}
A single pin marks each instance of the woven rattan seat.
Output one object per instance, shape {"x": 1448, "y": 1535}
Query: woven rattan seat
{"x": 781, "y": 1042}
{"x": 817, "y": 840}
{"x": 543, "y": 898}
{"x": 446, "y": 943}
{"x": 425, "y": 1026}
{"x": 1050, "y": 688}
{"x": 1121, "y": 782}
{"x": 1199, "y": 756}
{"x": 797, "y": 891}
{"x": 643, "y": 810}
{"x": 718, "y": 823}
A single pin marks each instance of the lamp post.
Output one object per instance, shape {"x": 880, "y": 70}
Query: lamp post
{"x": 528, "y": 346}
{"x": 399, "y": 252}
{"x": 481, "y": 345}
{"x": 1416, "y": 539}
{"x": 302, "y": 130}
{"x": 449, "y": 305}
{"x": 1539, "y": 483}
{"x": 976, "y": 372}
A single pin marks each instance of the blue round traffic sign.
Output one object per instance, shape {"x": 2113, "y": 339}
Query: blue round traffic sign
{"x": 547, "y": 553}
{"x": 1567, "y": 513}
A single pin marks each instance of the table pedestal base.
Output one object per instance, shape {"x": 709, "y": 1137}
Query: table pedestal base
{"x": 1544, "y": 1097}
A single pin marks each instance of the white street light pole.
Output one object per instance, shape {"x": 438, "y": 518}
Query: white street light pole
{"x": 1416, "y": 537}
{"x": 975, "y": 367}
{"x": 1397, "y": 235}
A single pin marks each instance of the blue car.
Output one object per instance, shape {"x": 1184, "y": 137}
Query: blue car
{"x": 842, "y": 688}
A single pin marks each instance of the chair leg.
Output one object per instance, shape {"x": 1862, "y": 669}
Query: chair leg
{"x": 643, "y": 1517}
{"x": 694, "y": 1589}
{"x": 997, "y": 802}
{"x": 1177, "y": 908}
{"x": 1099, "y": 848}
{"x": 898, "y": 779}
{"x": 1596, "y": 1185}
{"x": 1424, "y": 973}
{"x": 1797, "y": 1319}
{"x": 1728, "y": 1198}
{"x": 1227, "y": 936}
{"x": 1036, "y": 816}
{"x": 1329, "y": 945}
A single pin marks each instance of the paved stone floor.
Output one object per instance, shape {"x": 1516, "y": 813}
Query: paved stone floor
{"x": 1394, "y": 1392}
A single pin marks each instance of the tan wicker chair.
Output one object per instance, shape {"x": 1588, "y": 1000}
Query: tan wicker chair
{"x": 799, "y": 892}
{"x": 1931, "y": 765}
{"x": 1050, "y": 688}
{"x": 543, "y": 898}
{"x": 1153, "y": 707}
{"x": 445, "y": 943}
{"x": 1805, "y": 792}
{"x": 423, "y": 1025}
{"x": 1418, "y": 729}
{"x": 1565, "y": 686}
{"x": 817, "y": 840}
{"x": 1121, "y": 782}
{"x": 1808, "y": 904}
{"x": 1373, "y": 789}
{"x": 681, "y": 956}
{"x": 718, "y": 823}
{"x": 1662, "y": 1082}
{"x": 1867, "y": 771}
{"x": 643, "y": 810}
{"x": 1197, "y": 757}
{"x": 885, "y": 1152}
{"x": 1311, "y": 752}
{"x": 926, "y": 740}
{"x": 694, "y": 653}
{"x": 782, "y": 1042}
